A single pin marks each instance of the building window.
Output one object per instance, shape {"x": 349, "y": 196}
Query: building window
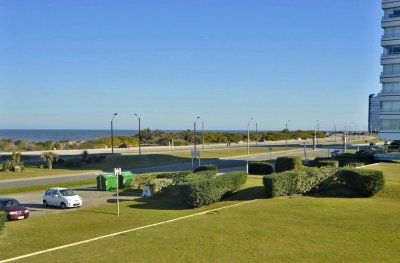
{"x": 391, "y": 69}
{"x": 392, "y": 125}
{"x": 393, "y": 31}
{"x": 390, "y": 105}
{"x": 391, "y": 87}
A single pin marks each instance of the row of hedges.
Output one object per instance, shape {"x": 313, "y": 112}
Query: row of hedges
{"x": 318, "y": 180}
{"x": 260, "y": 168}
{"x": 204, "y": 192}
{"x": 299, "y": 181}
{"x": 287, "y": 163}
{"x": 317, "y": 162}
{"x": 210, "y": 167}
{"x": 2, "y": 220}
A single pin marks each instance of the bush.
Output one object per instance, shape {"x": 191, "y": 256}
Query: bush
{"x": 351, "y": 163}
{"x": 157, "y": 185}
{"x": 177, "y": 177}
{"x": 365, "y": 182}
{"x": 287, "y": 163}
{"x": 323, "y": 163}
{"x": 299, "y": 181}
{"x": 210, "y": 167}
{"x": 203, "y": 175}
{"x": 142, "y": 180}
{"x": 2, "y": 220}
{"x": 203, "y": 192}
{"x": 261, "y": 168}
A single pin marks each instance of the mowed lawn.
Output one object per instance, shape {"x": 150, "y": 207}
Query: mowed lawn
{"x": 290, "y": 229}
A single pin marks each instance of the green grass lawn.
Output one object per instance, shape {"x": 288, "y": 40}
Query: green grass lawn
{"x": 290, "y": 229}
{"x": 38, "y": 172}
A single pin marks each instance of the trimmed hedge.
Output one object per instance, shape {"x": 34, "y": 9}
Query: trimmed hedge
{"x": 261, "y": 168}
{"x": 287, "y": 163}
{"x": 157, "y": 185}
{"x": 299, "y": 181}
{"x": 323, "y": 163}
{"x": 177, "y": 177}
{"x": 210, "y": 167}
{"x": 2, "y": 220}
{"x": 204, "y": 192}
{"x": 203, "y": 175}
{"x": 365, "y": 182}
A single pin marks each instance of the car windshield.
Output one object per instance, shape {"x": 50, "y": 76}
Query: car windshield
{"x": 67, "y": 192}
{"x": 11, "y": 203}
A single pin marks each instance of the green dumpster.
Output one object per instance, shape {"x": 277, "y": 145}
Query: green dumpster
{"x": 106, "y": 182}
{"x": 125, "y": 179}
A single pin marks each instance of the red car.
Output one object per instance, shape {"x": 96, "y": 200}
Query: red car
{"x": 13, "y": 209}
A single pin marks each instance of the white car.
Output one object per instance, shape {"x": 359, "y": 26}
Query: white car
{"x": 62, "y": 197}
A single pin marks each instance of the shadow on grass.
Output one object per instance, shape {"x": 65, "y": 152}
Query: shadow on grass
{"x": 256, "y": 192}
{"x": 161, "y": 202}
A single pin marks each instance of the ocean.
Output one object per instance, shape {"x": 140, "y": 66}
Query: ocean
{"x": 38, "y": 135}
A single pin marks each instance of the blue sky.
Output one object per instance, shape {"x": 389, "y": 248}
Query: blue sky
{"x": 72, "y": 64}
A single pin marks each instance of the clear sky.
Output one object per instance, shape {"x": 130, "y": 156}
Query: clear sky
{"x": 72, "y": 64}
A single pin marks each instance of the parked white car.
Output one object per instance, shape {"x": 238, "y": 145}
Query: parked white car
{"x": 62, "y": 197}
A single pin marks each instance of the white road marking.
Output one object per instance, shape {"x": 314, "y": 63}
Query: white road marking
{"x": 119, "y": 233}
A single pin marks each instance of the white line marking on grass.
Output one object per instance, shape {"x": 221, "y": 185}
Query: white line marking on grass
{"x": 119, "y": 233}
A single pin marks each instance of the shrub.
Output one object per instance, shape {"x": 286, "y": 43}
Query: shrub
{"x": 2, "y": 220}
{"x": 287, "y": 163}
{"x": 177, "y": 177}
{"x": 210, "y": 167}
{"x": 157, "y": 185}
{"x": 350, "y": 163}
{"x": 365, "y": 182}
{"x": 142, "y": 180}
{"x": 261, "y": 168}
{"x": 203, "y": 175}
{"x": 203, "y": 192}
{"x": 299, "y": 181}
{"x": 323, "y": 163}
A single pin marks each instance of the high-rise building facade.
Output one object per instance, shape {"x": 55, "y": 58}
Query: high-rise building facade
{"x": 389, "y": 97}
{"x": 373, "y": 113}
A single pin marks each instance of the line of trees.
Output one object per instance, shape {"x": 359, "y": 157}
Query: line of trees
{"x": 155, "y": 137}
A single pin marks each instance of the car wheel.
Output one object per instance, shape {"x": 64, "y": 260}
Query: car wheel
{"x": 63, "y": 206}
{"x": 45, "y": 203}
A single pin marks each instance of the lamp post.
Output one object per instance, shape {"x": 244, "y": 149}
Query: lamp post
{"x": 202, "y": 128}
{"x": 139, "y": 136}
{"x": 195, "y": 132}
{"x": 112, "y": 140}
{"x": 317, "y": 131}
{"x": 248, "y": 136}
{"x": 287, "y": 132}
{"x": 256, "y": 135}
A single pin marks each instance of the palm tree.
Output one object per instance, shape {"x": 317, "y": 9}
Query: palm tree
{"x": 49, "y": 157}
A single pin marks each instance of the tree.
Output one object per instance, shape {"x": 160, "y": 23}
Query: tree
{"x": 49, "y": 157}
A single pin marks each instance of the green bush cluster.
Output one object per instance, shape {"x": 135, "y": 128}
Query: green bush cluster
{"x": 299, "y": 181}
{"x": 323, "y": 163}
{"x": 287, "y": 163}
{"x": 157, "y": 185}
{"x": 177, "y": 177}
{"x": 209, "y": 167}
{"x": 365, "y": 182}
{"x": 203, "y": 192}
{"x": 2, "y": 220}
{"x": 324, "y": 181}
{"x": 260, "y": 168}
{"x": 203, "y": 175}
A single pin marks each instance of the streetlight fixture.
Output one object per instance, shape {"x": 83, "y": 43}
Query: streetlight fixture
{"x": 112, "y": 140}
{"x": 195, "y": 132}
{"x": 317, "y": 131}
{"x": 248, "y": 135}
{"x": 139, "y": 136}
{"x": 287, "y": 132}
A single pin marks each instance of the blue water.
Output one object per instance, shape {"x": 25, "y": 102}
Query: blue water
{"x": 59, "y": 135}
{"x": 71, "y": 135}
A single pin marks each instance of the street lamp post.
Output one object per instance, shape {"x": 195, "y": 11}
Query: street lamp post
{"x": 256, "y": 135}
{"x": 139, "y": 136}
{"x": 248, "y": 136}
{"x": 317, "y": 131}
{"x": 287, "y": 132}
{"x": 195, "y": 133}
{"x": 202, "y": 128}
{"x": 112, "y": 140}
